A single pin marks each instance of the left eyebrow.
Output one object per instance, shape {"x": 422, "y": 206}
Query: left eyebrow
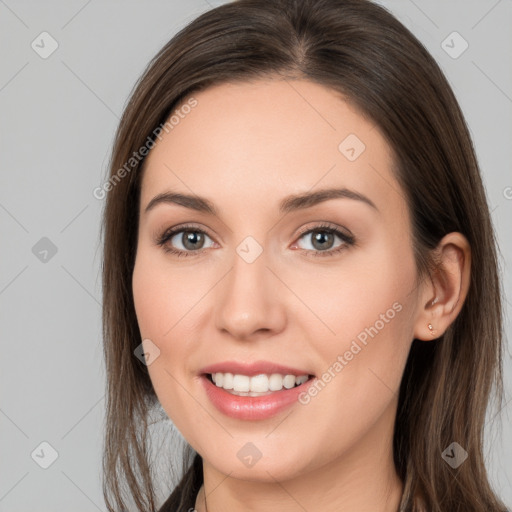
{"x": 309, "y": 199}
{"x": 288, "y": 204}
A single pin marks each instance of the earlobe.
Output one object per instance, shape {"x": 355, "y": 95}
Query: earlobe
{"x": 444, "y": 297}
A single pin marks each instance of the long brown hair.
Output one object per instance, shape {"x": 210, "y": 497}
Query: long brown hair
{"x": 359, "y": 49}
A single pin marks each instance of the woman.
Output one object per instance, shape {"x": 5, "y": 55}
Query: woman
{"x": 300, "y": 269}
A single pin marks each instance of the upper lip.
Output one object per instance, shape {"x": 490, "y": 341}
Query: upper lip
{"x": 253, "y": 368}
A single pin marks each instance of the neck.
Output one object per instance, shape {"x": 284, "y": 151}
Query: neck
{"x": 363, "y": 479}
{"x": 373, "y": 498}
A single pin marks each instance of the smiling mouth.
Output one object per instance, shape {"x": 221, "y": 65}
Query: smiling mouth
{"x": 256, "y": 385}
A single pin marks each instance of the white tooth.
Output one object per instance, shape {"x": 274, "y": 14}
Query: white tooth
{"x": 259, "y": 383}
{"x": 300, "y": 380}
{"x": 241, "y": 382}
{"x": 227, "y": 383}
{"x": 239, "y": 393}
{"x": 289, "y": 381}
{"x": 275, "y": 383}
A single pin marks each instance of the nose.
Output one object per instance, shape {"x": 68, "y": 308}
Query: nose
{"x": 250, "y": 300}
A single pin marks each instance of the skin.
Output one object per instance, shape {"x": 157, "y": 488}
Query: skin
{"x": 245, "y": 147}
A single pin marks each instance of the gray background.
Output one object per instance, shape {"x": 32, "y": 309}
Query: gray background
{"x": 58, "y": 117}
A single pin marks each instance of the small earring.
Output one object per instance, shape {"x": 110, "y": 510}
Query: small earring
{"x": 431, "y": 329}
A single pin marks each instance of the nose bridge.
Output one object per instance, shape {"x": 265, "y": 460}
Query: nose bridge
{"x": 247, "y": 301}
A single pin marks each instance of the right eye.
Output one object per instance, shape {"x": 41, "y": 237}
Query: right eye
{"x": 191, "y": 239}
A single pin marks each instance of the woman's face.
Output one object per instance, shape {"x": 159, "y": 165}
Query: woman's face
{"x": 261, "y": 286}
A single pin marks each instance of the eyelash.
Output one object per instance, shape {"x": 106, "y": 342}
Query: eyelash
{"x": 348, "y": 240}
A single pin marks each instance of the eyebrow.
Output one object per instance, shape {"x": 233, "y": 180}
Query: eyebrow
{"x": 288, "y": 204}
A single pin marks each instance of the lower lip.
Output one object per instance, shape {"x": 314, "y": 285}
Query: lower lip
{"x": 252, "y": 407}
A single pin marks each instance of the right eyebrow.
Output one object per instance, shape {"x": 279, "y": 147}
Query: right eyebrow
{"x": 193, "y": 202}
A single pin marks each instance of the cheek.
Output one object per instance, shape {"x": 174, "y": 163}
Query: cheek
{"x": 164, "y": 299}
{"x": 156, "y": 313}
{"x": 366, "y": 306}
{"x": 368, "y": 295}
{"x": 166, "y": 303}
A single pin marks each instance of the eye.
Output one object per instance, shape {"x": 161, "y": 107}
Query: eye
{"x": 190, "y": 240}
{"x": 182, "y": 240}
{"x": 323, "y": 239}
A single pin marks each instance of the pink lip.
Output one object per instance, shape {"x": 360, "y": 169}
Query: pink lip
{"x": 252, "y": 407}
{"x": 254, "y": 368}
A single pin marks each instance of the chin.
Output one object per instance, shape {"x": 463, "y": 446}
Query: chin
{"x": 266, "y": 464}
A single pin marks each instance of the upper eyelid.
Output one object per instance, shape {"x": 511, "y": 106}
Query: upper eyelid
{"x": 325, "y": 226}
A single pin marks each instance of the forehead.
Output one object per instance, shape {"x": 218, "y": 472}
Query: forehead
{"x": 255, "y": 141}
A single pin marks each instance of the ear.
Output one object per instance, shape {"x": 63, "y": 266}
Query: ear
{"x": 441, "y": 300}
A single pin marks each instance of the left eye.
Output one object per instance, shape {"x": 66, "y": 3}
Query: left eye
{"x": 322, "y": 240}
